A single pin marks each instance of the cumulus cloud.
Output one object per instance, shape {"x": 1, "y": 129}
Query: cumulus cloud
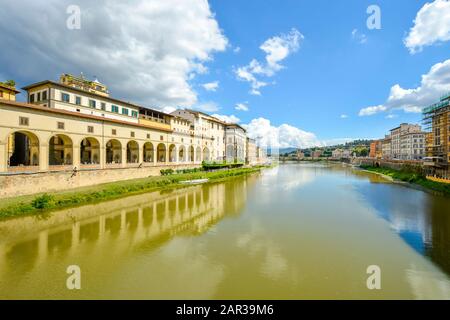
{"x": 277, "y": 49}
{"x": 433, "y": 85}
{"x": 227, "y": 119}
{"x": 359, "y": 37}
{"x": 432, "y": 25}
{"x": 344, "y": 116}
{"x": 207, "y": 107}
{"x": 283, "y": 136}
{"x": 146, "y": 51}
{"x": 241, "y": 107}
{"x": 211, "y": 86}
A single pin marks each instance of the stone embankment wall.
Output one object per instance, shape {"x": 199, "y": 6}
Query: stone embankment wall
{"x": 25, "y": 184}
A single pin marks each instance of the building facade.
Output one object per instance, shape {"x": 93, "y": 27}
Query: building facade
{"x": 407, "y": 142}
{"x": 436, "y": 119}
{"x": 76, "y": 125}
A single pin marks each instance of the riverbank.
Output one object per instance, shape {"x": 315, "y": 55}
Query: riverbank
{"x": 44, "y": 203}
{"x": 412, "y": 178}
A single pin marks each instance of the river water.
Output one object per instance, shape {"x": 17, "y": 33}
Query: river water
{"x": 300, "y": 231}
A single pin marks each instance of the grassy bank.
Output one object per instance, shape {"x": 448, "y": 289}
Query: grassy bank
{"x": 412, "y": 177}
{"x": 43, "y": 203}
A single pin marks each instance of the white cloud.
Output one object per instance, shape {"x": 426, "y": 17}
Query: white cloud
{"x": 276, "y": 49}
{"x": 359, "y": 37}
{"x": 433, "y": 85}
{"x": 211, "y": 86}
{"x": 432, "y": 25}
{"x": 207, "y": 107}
{"x": 391, "y": 116}
{"x": 227, "y": 119}
{"x": 146, "y": 51}
{"x": 344, "y": 116}
{"x": 241, "y": 107}
{"x": 284, "y": 136}
{"x": 237, "y": 50}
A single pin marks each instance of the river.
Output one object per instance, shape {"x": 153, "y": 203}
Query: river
{"x": 298, "y": 231}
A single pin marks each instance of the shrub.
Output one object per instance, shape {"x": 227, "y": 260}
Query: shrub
{"x": 44, "y": 201}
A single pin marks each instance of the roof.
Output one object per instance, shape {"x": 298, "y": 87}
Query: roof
{"x": 206, "y": 115}
{"x": 54, "y": 83}
{"x": 9, "y": 88}
{"x": 76, "y": 114}
{"x": 235, "y": 125}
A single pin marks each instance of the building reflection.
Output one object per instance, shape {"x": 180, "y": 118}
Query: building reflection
{"x": 139, "y": 224}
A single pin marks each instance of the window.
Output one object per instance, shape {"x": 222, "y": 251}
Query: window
{"x": 148, "y": 135}
{"x": 103, "y": 106}
{"x": 39, "y": 96}
{"x": 23, "y": 121}
{"x": 61, "y": 125}
{"x": 132, "y": 134}
{"x": 78, "y": 100}
{"x": 31, "y": 98}
{"x": 125, "y": 111}
{"x": 113, "y": 132}
{"x": 44, "y": 95}
{"x": 90, "y": 129}
{"x": 92, "y": 104}
{"x": 134, "y": 114}
{"x": 65, "y": 97}
{"x": 161, "y": 138}
{"x": 114, "y": 109}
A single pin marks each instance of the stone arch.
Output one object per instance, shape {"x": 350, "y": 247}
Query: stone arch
{"x": 60, "y": 150}
{"x": 148, "y": 152}
{"x": 161, "y": 152}
{"x": 181, "y": 154}
{"x": 172, "y": 153}
{"x": 132, "y": 152}
{"x": 206, "y": 154}
{"x": 113, "y": 151}
{"x": 89, "y": 151}
{"x": 23, "y": 149}
{"x": 191, "y": 154}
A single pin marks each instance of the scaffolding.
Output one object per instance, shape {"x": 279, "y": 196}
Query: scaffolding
{"x": 436, "y": 122}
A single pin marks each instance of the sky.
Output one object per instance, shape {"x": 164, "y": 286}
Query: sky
{"x": 307, "y": 72}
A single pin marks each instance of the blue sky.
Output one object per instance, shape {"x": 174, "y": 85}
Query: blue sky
{"x": 332, "y": 73}
{"x": 336, "y": 66}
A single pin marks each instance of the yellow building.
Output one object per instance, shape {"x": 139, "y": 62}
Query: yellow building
{"x": 437, "y": 120}
{"x": 65, "y": 126}
{"x": 8, "y": 92}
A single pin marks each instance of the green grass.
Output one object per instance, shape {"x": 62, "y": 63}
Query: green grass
{"x": 43, "y": 203}
{"x": 412, "y": 176}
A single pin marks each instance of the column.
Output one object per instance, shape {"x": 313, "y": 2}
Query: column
{"x": 76, "y": 155}
{"x": 124, "y": 155}
{"x": 43, "y": 157}
{"x": 141, "y": 154}
{"x": 4, "y": 156}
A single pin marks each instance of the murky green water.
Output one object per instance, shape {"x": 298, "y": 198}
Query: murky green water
{"x": 293, "y": 232}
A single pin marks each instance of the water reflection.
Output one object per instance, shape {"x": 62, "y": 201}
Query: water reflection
{"x": 421, "y": 219}
{"x": 139, "y": 223}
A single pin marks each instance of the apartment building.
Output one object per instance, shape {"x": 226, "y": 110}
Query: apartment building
{"x": 386, "y": 152}
{"x": 407, "y": 142}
